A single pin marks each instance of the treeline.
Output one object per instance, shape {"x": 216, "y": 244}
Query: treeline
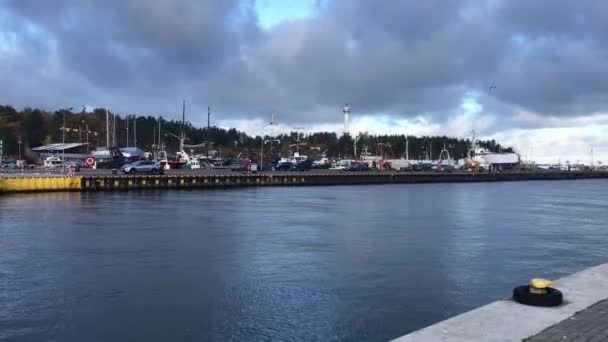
{"x": 36, "y": 127}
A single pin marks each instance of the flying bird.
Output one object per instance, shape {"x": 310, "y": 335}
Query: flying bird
{"x": 491, "y": 87}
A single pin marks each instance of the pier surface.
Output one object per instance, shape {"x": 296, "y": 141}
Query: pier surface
{"x": 588, "y": 325}
{"x": 84, "y": 181}
{"x": 582, "y": 317}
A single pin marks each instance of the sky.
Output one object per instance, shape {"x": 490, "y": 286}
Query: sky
{"x": 531, "y": 74}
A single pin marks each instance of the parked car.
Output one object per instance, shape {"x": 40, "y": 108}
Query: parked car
{"x": 283, "y": 166}
{"x": 142, "y": 166}
{"x": 423, "y": 167}
{"x": 357, "y": 167}
{"x": 305, "y": 165}
{"x": 240, "y": 165}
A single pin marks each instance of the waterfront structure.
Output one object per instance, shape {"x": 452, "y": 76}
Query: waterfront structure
{"x": 346, "y": 110}
{"x": 194, "y": 180}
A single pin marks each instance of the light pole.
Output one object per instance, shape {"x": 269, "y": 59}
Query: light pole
{"x": 63, "y": 142}
{"x": 19, "y": 142}
{"x": 271, "y": 123}
{"x": 82, "y": 124}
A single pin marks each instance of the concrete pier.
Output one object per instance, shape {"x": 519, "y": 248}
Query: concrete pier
{"x": 83, "y": 182}
{"x": 506, "y": 320}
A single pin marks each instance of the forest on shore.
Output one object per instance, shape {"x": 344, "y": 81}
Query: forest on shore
{"x": 37, "y": 127}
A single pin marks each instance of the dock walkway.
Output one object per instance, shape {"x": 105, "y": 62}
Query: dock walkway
{"x": 589, "y": 325}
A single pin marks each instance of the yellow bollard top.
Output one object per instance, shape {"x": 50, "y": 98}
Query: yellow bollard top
{"x": 539, "y": 283}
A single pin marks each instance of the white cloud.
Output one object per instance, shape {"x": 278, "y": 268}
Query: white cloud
{"x": 551, "y": 145}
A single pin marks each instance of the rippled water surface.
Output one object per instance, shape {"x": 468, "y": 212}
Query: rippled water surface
{"x": 344, "y": 263}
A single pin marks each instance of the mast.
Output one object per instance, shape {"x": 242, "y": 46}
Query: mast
{"x": 183, "y": 133}
{"x": 407, "y": 148}
{"x": 114, "y": 130}
{"x": 127, "y": 131}
{"x": 135, "y": 131}
{"x": 208, "y": 130}
{"x": 107, "y": 128}
{"x": 471, "y": 151}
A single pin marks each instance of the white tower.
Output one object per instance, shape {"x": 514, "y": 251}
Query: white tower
{"x": 346, "y": 111}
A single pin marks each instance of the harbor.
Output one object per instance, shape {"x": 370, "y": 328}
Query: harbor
{"x": 327, "y": 170}
{"x": 198, "y": 180}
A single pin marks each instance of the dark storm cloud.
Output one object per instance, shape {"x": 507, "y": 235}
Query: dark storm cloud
{"x": 402, "y": 58}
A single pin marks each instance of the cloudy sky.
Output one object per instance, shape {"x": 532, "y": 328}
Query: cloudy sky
{"x": 425, "y": 66}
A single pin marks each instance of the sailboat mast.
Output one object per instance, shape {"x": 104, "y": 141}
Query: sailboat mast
{"x": 207, "y": 143}
{"x": 183, "y": 132}
{"x": 107, "y": 128}
{"x": 407, "y": 147}
{"x": 113, "y": 130}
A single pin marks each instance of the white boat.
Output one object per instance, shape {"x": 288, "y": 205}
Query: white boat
{"x": 485, "y": 157}
{"x": 323, "y": 162}
{"x": 53, "y": 162}
{"x": 194, "y": 164}
{"x": 342, "y": 164}
{"x": 294, "y": 159}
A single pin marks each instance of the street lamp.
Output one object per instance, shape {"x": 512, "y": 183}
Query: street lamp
{"x": 271, "y": 123}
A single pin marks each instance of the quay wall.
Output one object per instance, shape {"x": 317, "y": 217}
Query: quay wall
{"x": 40, "y": 183}
{"x": 195, "y": 181}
